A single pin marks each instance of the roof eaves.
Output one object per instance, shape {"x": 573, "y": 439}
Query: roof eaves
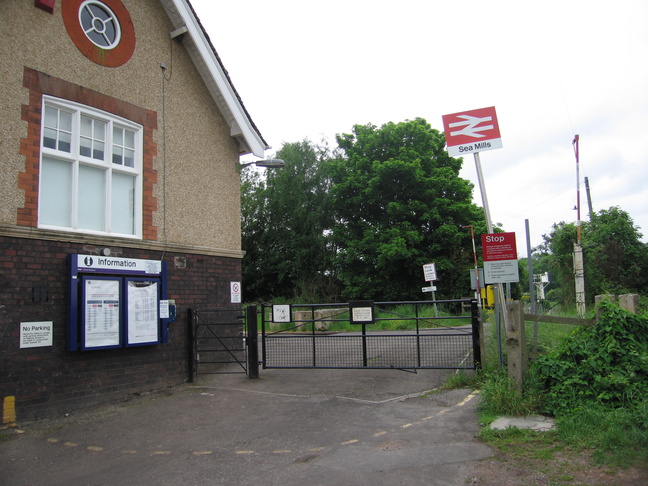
{"x": 216, "y": 77}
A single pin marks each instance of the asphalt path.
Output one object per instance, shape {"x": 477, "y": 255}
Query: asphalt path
{"x": 289, "y": 427}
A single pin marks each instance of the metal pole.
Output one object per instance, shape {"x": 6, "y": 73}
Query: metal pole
{"x": 252, "y": 341}
{"x": 589, "y": 198}
{"x": 190, "y": 346}
{"x": 482, "y": 187}
{"x": 489, "y": 223}
{"x": 475, "y": 320}
{"x": 472, "y": 237}
{"x": 532, "y": 296}
{"x": 436, "y": 309}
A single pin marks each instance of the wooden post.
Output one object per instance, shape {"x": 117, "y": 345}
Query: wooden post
{"x": 516, "y": 343}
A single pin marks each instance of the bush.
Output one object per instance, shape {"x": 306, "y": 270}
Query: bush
{"x": 602, "y": 366}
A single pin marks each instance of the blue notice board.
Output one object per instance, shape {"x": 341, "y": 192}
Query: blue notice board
{"x": 115, "y": 302}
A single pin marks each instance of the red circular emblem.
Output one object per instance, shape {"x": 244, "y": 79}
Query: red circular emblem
{"x": 102, "y": 30}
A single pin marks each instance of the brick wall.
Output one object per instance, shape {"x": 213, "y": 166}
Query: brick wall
{"x": 51, "y": 380}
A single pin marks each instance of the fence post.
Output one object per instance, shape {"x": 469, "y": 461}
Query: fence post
{"x": 478, "y": 334}
{"x": 629, "y": 302}
{"x": 252, "y": 342}
{"x": 516, "y": 343}
{"x": 190, "y": 345}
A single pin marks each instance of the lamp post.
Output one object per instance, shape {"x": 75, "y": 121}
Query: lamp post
{"x": 251, "y": 340}
{"x": 268, "y": 163}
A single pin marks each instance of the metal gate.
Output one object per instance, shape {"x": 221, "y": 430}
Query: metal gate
{"x": 218, "y": 342}
{"x": 442, "y": 334}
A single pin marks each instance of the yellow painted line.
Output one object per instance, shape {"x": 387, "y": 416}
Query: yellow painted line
{"x": 201, "y": 453}
{"x": 466, "y": 400}
{"x": 244, "y": 452}
{"x": 71, "y": 444}
{"x": 429, "y": 418}
{"x": 52, "y": 440}
{"x": 282, "y": 451}
{"x": 406, "y": 426}
{"x": 160, "y": 453}
{"x": 352, "y": 441}
{"x": 95, "y": 448}
{"x": 129, "y": 451}
{"x": 378, "y": 434}
{"x": 315, "y": 449}
{"x": 442, "y": 411}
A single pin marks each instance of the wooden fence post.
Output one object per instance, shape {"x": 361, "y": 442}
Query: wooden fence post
{"x": 516, "y": 343}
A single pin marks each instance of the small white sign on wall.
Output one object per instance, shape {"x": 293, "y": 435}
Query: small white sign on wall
{"x": 235, "y": 292}
{"x": 36, "y": 334}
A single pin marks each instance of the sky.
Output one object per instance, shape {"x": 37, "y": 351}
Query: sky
{"x": 552, "y": 69}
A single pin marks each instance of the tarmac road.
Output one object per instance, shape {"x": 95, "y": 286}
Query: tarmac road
{"x": 289, "y": 427}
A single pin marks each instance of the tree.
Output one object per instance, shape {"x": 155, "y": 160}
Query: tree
{"x": 398, "y": 203}
{"x": 616, "y": 261}
{"x": 285, "y": 220}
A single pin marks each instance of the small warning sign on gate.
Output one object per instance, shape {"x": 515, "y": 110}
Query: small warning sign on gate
{"x": 361, "y": 312}
{"x": 281, "y": 313}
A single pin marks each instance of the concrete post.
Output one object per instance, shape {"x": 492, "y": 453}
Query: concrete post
{"x": 516, "y": 343}
{"x": 600, "y": 298}
{"x": 629, "y": 302}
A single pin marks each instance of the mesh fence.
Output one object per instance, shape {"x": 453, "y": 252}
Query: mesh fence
{"x": 441, "y": 349}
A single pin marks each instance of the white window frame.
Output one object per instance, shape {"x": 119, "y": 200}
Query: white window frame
{"x": 76, "y": 159}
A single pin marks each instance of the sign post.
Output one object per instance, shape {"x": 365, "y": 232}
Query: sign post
{"x": 471, "y": 132}
{"x": 429, "y": 271}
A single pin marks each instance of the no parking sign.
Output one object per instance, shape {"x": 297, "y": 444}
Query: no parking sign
{"x": 235, "y": 292}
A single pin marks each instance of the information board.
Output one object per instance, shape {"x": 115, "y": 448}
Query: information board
{"x": 101, "y": 312}
{"x": 143, "y": 312}
{"x": 116, "y": 302}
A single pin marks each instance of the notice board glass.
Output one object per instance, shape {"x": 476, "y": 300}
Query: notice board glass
{"x": 101, "y": 312}
{"x": 116, "y": 302}
{"x": 142, "y": 311}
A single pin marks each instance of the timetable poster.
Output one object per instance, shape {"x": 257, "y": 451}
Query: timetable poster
{"x": 101, "y": 313}
{"x": 142, "y": 312}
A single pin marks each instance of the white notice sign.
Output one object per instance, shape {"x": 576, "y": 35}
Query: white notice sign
{"x": 101, "y": 313}
{"x": 143, "y": 314}
{"x": 235, "y": 292}
{"x": 281, "y": 313}
{"x": 502, "y": 271}
{"x": 429, "y": 271}
{"x": 361, "y": 314}
{"x": 36, "y": 334}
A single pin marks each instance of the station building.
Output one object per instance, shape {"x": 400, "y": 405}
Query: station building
{"x": 121, "y": 134}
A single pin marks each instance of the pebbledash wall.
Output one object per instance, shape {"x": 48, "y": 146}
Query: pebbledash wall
{"x": 193, "y": 132}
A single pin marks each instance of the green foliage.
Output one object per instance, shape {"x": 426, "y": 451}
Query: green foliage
{"x": 618, "y": 436}
{"x": 499, "y": 396}
{"x": 616, "y": 260}
{"x": 606, "y": 365}
{"x": 284, "y": 225}
{"x": 398, "y": 203}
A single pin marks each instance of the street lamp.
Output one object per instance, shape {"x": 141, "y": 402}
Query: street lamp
{"x": 268, "y": 163}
